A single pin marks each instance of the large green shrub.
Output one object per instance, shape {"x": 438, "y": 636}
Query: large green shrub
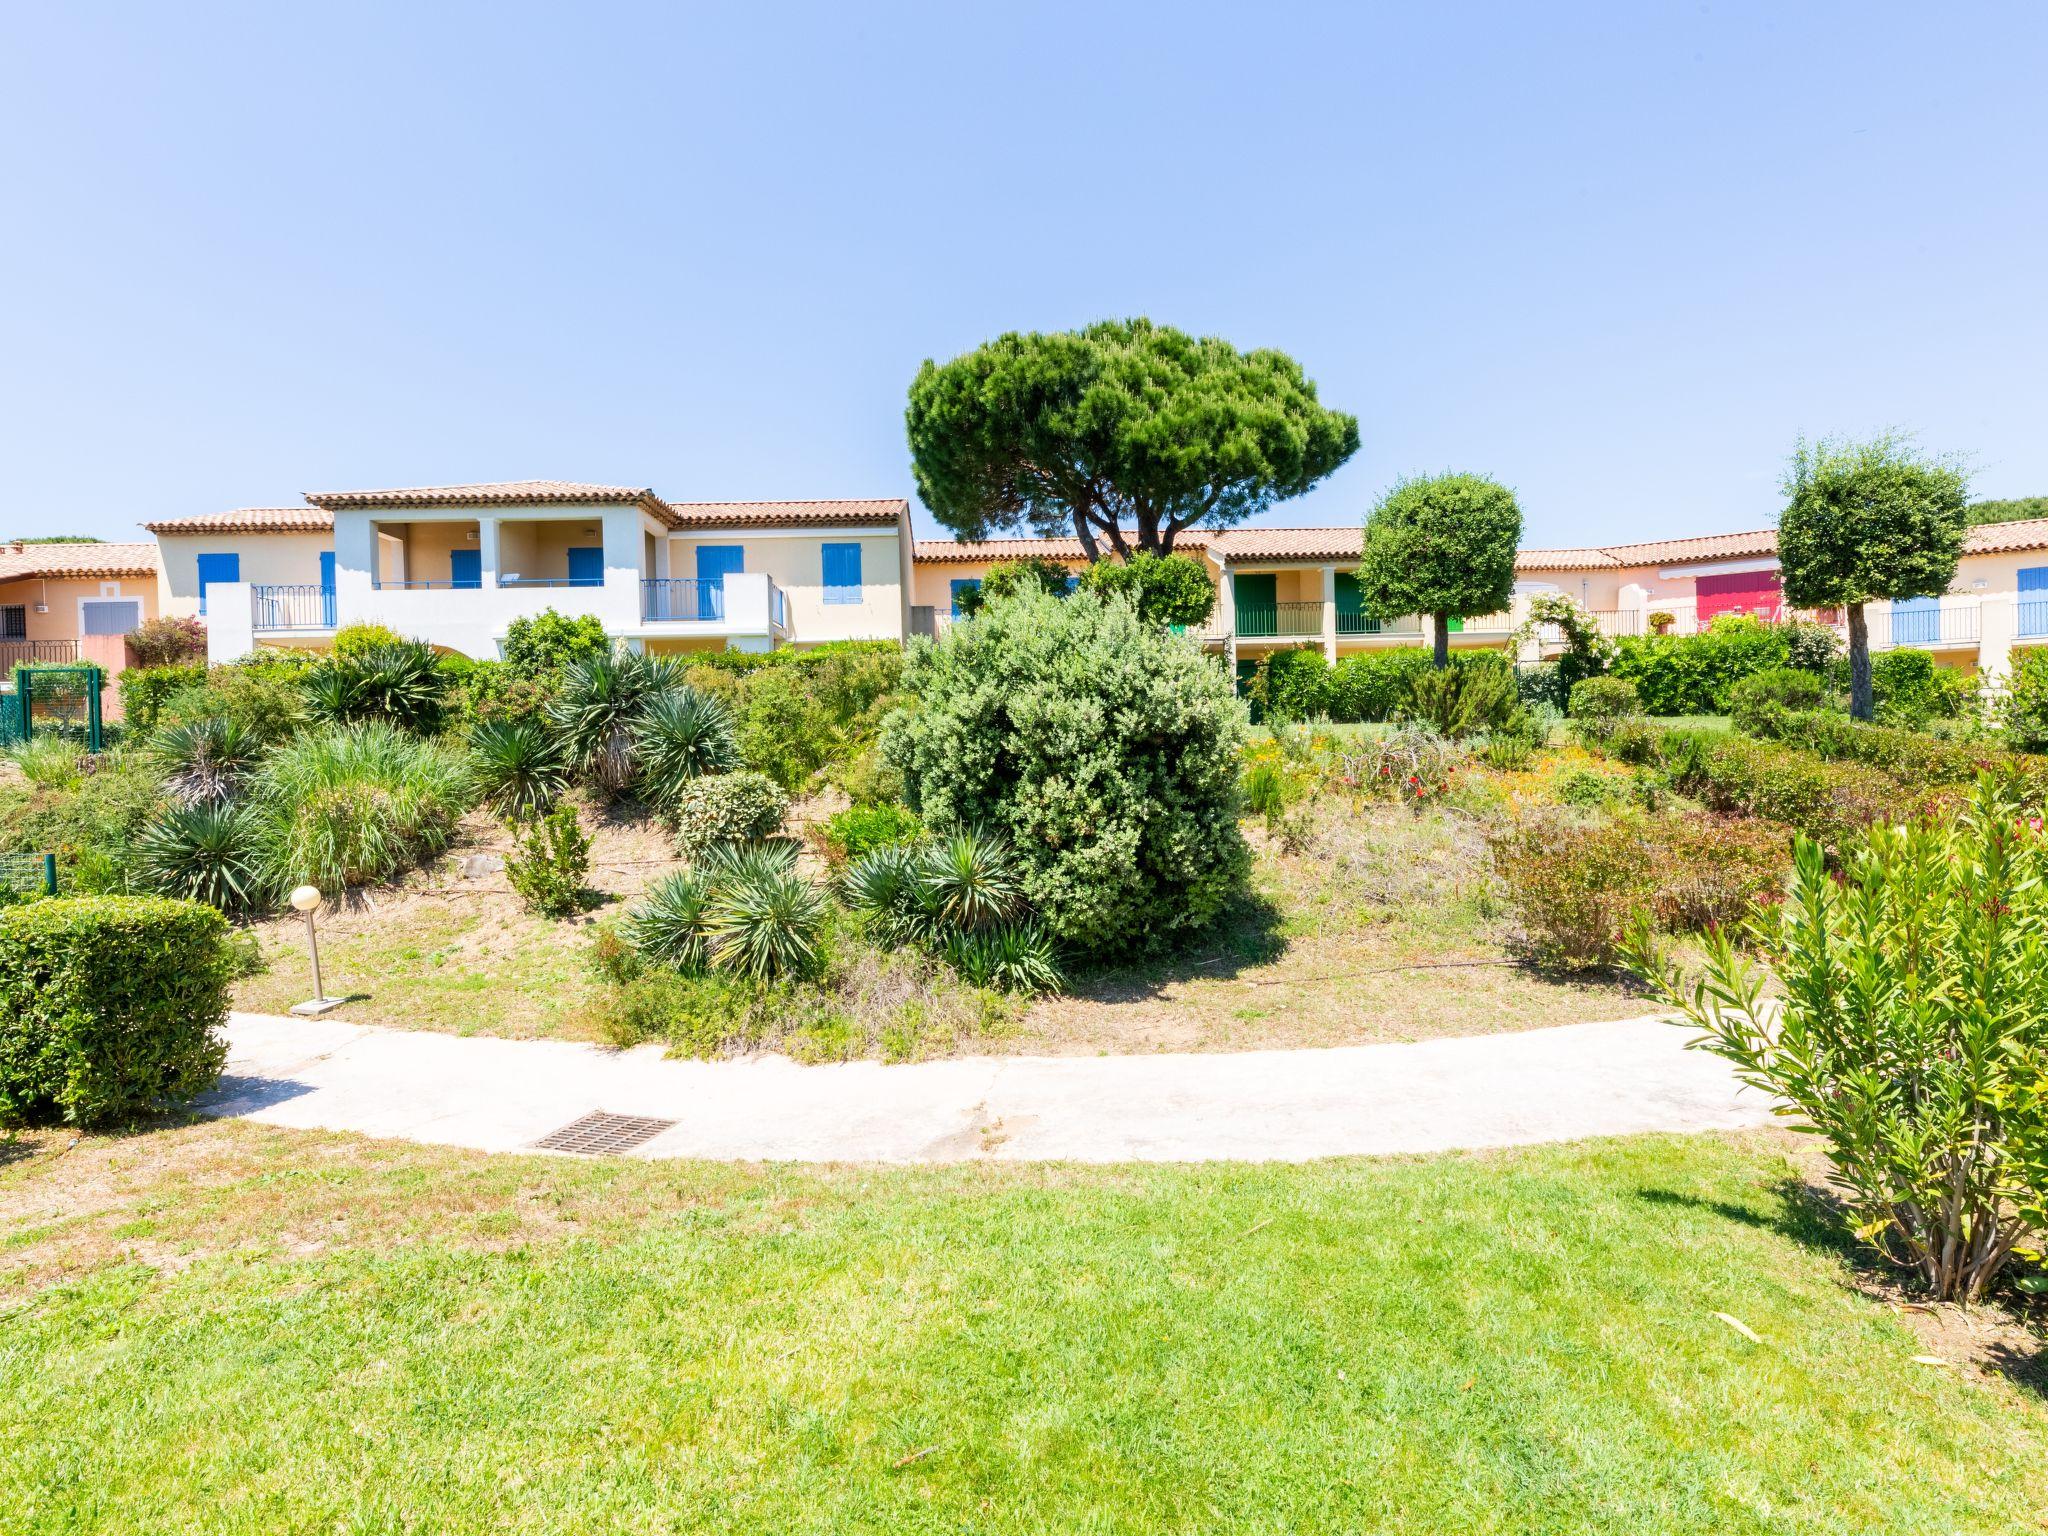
{"x": 726, "y": 808}
{"x": 145, "y": 690}
{"x": 1293, "y": 684}
{"x": 539, "y": 646}
{"x": 1165, "y": 589}
{"x": 1370, "y": 685}
{"x": 1603, "y": 699}
{"x": 110, "y": 1007}
{"x": 352, "y": 804}
{"x": 860, "y": 829}
{"x": 1102, "y": 749}
{"x": 1694, "y": 674}
{"x": 167, "y": 643}
{"x": 1464, "y": 699}
{"x": 1759, "y": 700}
{"x": 1910, "y": 688}
{"x": 785, "y": 731}
{"x": 261, "y": 693}
{"x": 1908, "y": 1026}
{"x": 1829, "y": 801}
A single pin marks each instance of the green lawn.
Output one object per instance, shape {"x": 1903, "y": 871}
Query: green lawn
{"x": 231, "y": 1329}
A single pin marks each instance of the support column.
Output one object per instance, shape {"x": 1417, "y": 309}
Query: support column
{"x": 487, "y": 549}
{"x": 1330, "y": 614}
{"x": 1995, "y": 630}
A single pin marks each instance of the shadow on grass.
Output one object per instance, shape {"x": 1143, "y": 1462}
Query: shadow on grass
{"x": 1814, "y": 1217}
{"x": 1244, "y": 936}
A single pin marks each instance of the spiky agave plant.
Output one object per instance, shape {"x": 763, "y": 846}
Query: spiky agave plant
{"x": 516, "y": 767}
{"x": 205, "y": 761}
{"x": 682, "y": 733}
{"x": 970, "y": 875}
{"x": 765, "y": 923}
{"x": 601, "y": 702}
{"x": 204, "y": 852}
{"x": 1012, "y": 957}
{"x": 670, "y": 924}
{"x": 883, "y": 889}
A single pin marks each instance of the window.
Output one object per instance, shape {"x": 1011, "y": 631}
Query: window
{"x": 963, "y": 584}
{"x": 842, "y": 573}
{"x": 2032, "y": 617}
{"x": 109, "y": 615}
{"x": 213, "y": 568}
{"x": 14, "y": 621}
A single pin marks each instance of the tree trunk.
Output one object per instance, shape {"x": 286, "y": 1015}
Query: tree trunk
{"x": 1441, "y": 623}
{"x": 1087, "y": 537}
{"x": 1859, "y": 664}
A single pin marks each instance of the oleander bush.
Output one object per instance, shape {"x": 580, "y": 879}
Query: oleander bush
{"x": 1758, "y": 702}
{"x": 348, "y": 805}
{"x": 1102, "y": 750}
{"x": 146, "y": 689}
{"x": 263, "y": 693}
{"x": 1695, "y": 674}
{"x": 2023, "y": 713}
{"x": 725, "y": 808}
{"x": 549, "y": 862}
{"x": 110, "y": 1007}
{"x": 1907, "y": 1026}
{"x": 166, "y": 643}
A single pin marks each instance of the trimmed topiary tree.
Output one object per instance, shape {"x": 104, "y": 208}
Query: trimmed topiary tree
{"x": 1102, "y": 748}
{"x": 1864, "y": 521}
{"x": 1443, "y": 545}
{"x": 110, "y": 1007}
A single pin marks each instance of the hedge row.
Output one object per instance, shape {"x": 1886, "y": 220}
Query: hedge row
{"x": 1364, "y": 687}
{"x": 110, "y": 1007}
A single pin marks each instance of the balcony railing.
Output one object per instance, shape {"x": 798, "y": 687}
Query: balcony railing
{"x": 2030, "y": 619}
{"x": 381, "y": 585}
{"x": 291, "y": 607}
{"x": 1280, "y": 621}
{"x": 1946, "y": 624}
{"x": 514, "y": 579}
{"x": 682, "y": 598}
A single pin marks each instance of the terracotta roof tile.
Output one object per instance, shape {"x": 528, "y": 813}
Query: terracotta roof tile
{"x": 1340, "y": 543}
{"x": 1563, "y": 559}
{"x": 962, "y": 550}
{"x": 499, "y": 493}
{"x": 1714, "y": 546}
{"x": 21, "y": 561}
{"x": 249, "y": 520}
{"x": 790, "y": 514}
{"x": 2000, "y": 538}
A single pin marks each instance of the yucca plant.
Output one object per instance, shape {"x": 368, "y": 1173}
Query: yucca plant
{"x": 973, "y": 881}
{"x": 765, "y": 923}
{"x": 670, "y": 924}
{"x": 351, "y": 804}
{"x": 206, "y": 852}
{"x": 205, "y": 761}
{"x": 516, "y": 767}
{"x": 1013, "y": 957}
{"x": 680, "y": 734}
{"x": 399, "y": 682}
{"x": 599, "y": 709}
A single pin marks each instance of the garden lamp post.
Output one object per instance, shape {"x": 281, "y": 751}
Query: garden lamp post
{"x": 306, "y": 899}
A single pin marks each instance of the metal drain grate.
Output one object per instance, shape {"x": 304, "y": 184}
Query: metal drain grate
{"x": 601, "y": 1134}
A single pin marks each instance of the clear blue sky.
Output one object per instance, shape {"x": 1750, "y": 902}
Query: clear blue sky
{"x": 1617, "y": 255}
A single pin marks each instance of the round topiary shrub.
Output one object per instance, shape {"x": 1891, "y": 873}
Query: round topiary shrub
{"x": 725, "y": 808}
{"x": 110, "y": 1007}
{"x": 1103, "y": 749}
{"x": 1604, "y": 698}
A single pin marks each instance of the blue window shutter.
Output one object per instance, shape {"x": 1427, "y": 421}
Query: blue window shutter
{"x": 715, "y": 562}
{"x": 842, "y": 573}
{"x": 217, "y": 568}
{"x": 586, "y": 567}
{"x": 2034, "y": 578}
{"x": 327, "y": 588}
{"x": 961, "y": 584}
{"x": 466, "y": 568}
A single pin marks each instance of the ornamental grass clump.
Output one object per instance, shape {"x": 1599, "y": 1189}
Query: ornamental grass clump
{"x": 1911, "y": 1029}
{"x": 352, "y": 804}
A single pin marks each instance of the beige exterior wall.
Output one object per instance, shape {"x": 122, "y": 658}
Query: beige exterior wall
{"x": 61, "y": 596}
{"x": 795, "y": 562}
{"x": 284, "y": 559}
{"x": 539, "y": 549}
{"x": 425, "y": 548}
{"x": 932, "y": 583}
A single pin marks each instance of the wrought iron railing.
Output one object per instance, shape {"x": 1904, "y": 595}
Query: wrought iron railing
{"x": 1280, "y": 621}
{"x": 689, "y": 598}
{"x": 292, "y": 607}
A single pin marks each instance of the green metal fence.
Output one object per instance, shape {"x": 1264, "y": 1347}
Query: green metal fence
{"x": 26, "y": 873}
{"x": 53, "y": 701}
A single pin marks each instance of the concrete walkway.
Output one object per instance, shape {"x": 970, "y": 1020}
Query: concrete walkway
{"x": 501, "y": 1095}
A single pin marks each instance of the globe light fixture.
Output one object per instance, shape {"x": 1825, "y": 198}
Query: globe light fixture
{"x": 307, "y": 899}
